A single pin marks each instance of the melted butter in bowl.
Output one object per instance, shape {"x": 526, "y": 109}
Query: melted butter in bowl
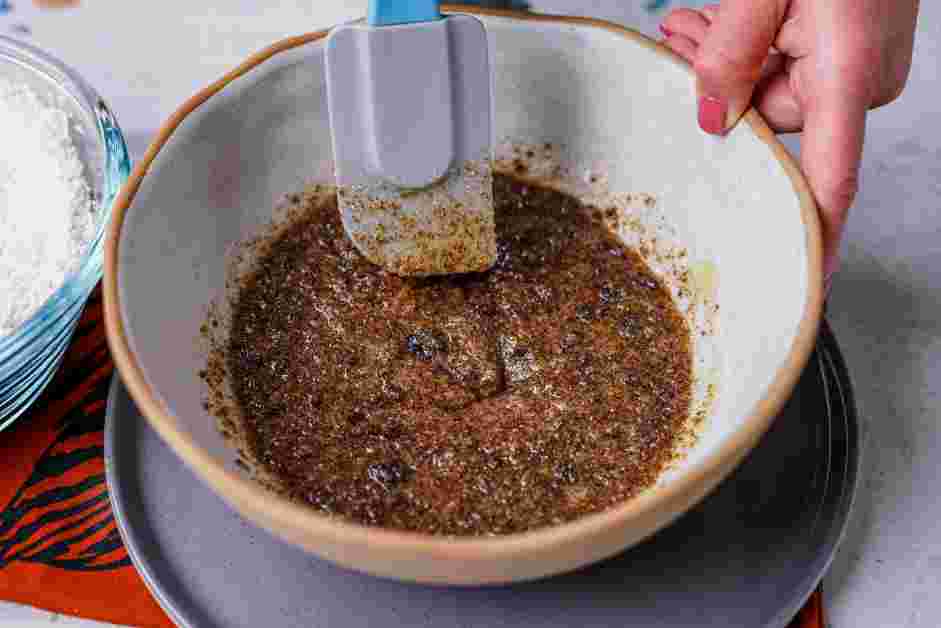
{"x": 557, "y": 384}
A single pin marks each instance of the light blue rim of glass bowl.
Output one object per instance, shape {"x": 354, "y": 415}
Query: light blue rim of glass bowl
{"x": 31, "y": 354}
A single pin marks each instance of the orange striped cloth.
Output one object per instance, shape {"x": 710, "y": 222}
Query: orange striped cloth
{"x": 59, "y": 548}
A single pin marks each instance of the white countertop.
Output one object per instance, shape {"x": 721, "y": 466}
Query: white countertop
{"x": 146, "y": 58}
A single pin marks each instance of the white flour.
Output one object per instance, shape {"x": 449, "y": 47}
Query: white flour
{"x": 47, "y": 217}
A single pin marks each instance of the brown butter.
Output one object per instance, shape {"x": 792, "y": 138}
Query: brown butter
{"x": 554, "y": 385}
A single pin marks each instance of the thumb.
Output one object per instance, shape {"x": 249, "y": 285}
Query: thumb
{"x": 831, "y": 151}
{"x": 730, "y": 58}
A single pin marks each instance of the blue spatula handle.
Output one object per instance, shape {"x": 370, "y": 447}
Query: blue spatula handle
{"x": 389, "y": 12}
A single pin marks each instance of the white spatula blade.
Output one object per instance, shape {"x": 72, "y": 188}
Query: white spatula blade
{"x": 411, "y": 118}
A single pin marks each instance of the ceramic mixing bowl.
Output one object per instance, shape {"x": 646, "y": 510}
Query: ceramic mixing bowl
{"x": 729, "y": 223}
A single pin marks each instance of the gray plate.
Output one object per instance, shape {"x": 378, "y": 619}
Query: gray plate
{"x": 748, "y": 556}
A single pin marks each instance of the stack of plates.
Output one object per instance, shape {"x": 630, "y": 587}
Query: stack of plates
{"x": 749, "y": 555}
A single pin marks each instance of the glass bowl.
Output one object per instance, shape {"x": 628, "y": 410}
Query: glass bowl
{"x": 31, "y": 354}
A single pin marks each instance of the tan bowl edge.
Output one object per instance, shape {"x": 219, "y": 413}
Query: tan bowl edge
{"x": 559, "y": 546}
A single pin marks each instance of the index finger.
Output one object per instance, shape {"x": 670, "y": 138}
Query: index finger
{"x": 730, "y": 58}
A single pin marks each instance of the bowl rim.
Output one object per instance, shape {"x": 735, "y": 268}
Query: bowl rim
{"x": 651, "y": 510}
{"x": 114, "y": 166}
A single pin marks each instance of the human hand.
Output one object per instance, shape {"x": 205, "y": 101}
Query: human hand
{"x": 811, "y": 65}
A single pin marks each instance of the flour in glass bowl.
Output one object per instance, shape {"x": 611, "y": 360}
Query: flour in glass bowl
{"x": 47, "y": 211}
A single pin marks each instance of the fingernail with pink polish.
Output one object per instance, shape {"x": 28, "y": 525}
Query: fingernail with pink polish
{"x": 712, "y": 114}
{"x": 666, "y": 32}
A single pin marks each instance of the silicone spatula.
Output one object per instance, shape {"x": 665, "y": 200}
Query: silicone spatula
{"x": 410, "y": 98}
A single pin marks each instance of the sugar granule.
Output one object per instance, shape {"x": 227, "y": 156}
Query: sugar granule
{"x": 47, "y": 214}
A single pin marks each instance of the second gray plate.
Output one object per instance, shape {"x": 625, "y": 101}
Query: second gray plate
{"x": 748, "y": 556}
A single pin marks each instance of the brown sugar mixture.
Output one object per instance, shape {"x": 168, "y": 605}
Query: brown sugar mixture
{"x": 554, "y": 385}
